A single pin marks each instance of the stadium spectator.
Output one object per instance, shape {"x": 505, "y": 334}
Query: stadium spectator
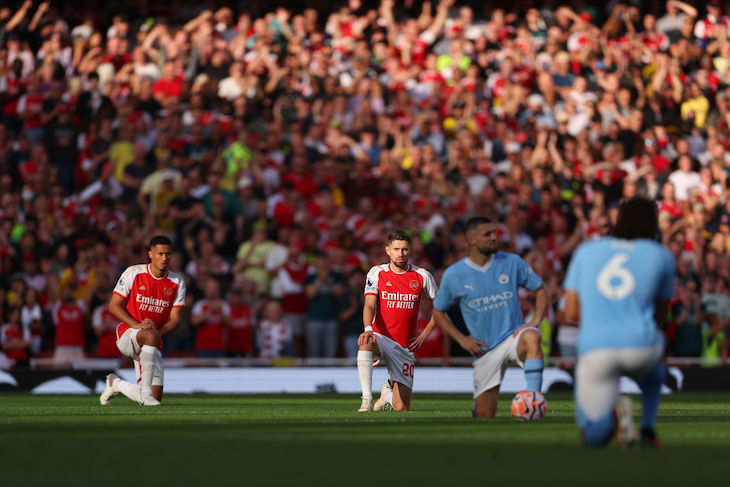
{"x": 323, "y": 287}
{"x": 14, "y": 341}
{"x": 274, "y": 333}
{"x": 212, "y": 316}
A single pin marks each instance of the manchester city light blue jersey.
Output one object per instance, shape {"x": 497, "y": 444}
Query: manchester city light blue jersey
{"x": 487, "y": 296}
{"x": 618, "y": 283}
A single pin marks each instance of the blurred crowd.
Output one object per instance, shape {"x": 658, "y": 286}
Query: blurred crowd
{"x": 277, "y": 148}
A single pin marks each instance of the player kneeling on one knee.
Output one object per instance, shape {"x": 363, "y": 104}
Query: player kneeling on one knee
{"x": 147, "y": 301}
{"x": 393, "y": 293}
{"x": 485, "y": 285}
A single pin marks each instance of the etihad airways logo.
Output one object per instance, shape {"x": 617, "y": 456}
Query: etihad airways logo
{"x": 485, "y": 303}
{"x": 151, "y": 305}
{"x": 399, "y": 300}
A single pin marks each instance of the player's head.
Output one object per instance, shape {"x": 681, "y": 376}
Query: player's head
{"x": 637, "y": 218}
{"x": 481, "y": 235}
{"x": 399, "y": 248}
{"x": 159, "y": 252}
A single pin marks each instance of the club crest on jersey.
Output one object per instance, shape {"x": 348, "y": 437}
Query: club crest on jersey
{"x": 167, "y": 291}
{"x": 503, "y": 279}
{"x": 413, "y": 284}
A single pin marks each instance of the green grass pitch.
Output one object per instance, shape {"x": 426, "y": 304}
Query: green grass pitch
{"x": 294, "y": 440}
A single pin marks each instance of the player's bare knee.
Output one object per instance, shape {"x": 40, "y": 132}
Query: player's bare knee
{"x": 533, "y": 341}
{"x": 147, "y": 337}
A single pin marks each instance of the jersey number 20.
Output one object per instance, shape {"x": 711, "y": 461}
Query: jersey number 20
{"x": 614, "y": 281}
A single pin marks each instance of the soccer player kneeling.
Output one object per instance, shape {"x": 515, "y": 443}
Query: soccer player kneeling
{"x": 619, "y": 287}
{"x": 148, "y": 300}
{"x": 392, "y": 298}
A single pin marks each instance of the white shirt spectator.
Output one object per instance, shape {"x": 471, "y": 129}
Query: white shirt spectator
{"x": 683, "y": 182}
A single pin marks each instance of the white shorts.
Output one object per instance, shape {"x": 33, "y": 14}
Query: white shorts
{"x": 598, "y": 374}
{"x": 489, "y": 368}
{"x": 130, "y": 347}
{"x": 399, "y": 361}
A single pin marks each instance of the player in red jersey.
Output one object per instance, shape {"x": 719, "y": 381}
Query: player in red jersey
{"x": 148, "y": 300}
{"x": 392, "y": 297}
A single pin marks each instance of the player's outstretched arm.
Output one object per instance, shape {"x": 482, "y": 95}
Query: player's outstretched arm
{"x": 468, "y": 343}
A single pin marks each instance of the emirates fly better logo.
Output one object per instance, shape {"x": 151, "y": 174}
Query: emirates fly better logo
{"x": 399, "y": 300}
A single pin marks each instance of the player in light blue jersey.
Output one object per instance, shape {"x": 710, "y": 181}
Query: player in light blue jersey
{"x": 485, "y": 285}
{"x": 619, "y": 288}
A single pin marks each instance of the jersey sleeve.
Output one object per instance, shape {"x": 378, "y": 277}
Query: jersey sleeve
{"x": 430, "y": 288}
{"x": 124, "y": 284}
{"x": 198, "y": 307}
{"x": 180, "y": 297}
{"x": 371, "y": 281}
{"x": 445, "y": 296}
{"x": 527, "y": 277}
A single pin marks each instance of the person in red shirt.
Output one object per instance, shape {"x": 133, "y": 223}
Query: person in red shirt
{"x": 242, "y": 299}
{"x": 392, "y": 296}
{"x": 292, "y": 276}
{"x": 105, "y": 327}
{"x": 148, "y": 300}
{"x": 13, "y": 341}
{"x": 68, "y": 315}
{"x": 211, "y": 315}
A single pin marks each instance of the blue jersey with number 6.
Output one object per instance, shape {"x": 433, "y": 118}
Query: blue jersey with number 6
{"x": 618, "y": 282}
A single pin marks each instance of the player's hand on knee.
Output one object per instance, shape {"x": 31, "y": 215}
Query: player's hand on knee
{"x": 473, "y": 346}
{"x": 366, "y": 338}
{"x": 148, "y": 324}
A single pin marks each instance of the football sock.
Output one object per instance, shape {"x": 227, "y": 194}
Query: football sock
{"x": 533, "y": 373}
{"x": 651, "y": 394}
{"x": 147, "y": 358}
{"x": 129, "y": 390}
{"x": 365, "y": 371}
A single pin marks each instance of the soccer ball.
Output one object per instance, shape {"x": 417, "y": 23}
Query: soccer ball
{"x": 529, "y": 406}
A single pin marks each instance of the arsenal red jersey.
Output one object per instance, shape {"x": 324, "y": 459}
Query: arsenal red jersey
{"x": 399, "y": 297}
{"x": 240, "y": 333}
{"x": 107, "y": 344}
{"x": 69, "y": 320}
{"x": 211, "y": 334}
{"x": 149, "y": 296}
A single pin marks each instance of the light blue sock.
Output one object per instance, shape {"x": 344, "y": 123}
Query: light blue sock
{"x": 651, "y": 395}
{"x": 533, "y": 373}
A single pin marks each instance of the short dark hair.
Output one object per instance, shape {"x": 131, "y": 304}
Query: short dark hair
{"x": 637, "y": 218}
{"x": 160, "y": 240}
{"x": 399, "y": 235}
{"x": 474, "y": 222}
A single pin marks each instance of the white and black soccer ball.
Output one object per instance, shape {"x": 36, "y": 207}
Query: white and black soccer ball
{"x": 529, "y": 406}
